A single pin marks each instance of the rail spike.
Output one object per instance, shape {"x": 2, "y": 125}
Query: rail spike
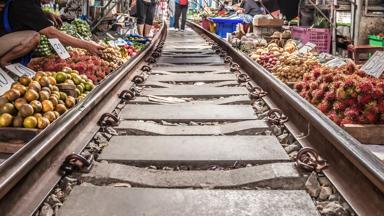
{"x": 309, "y": 159}
{"x": 257, "y": 92}
{"x": 242, "y": 78}
{"x": 146, "y": 68}
{"x": 276, "y": 117}
{"x": 155, "y": 54}
{"x": 77, "y": 162}
{"x": 234, "y": 67}
{"x": 138, "y": 79}
{"x": 108, "y": 119}
{"x": 151, "y": 60}
{"x": 228, "y": 60}
{"x": 127, "y": 95}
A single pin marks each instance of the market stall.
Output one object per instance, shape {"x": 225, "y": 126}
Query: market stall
{"x": 59, "y": 78}
{"x": 332, "y": 74}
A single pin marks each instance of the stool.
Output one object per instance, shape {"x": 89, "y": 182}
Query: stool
{"x": 355, "y": 51}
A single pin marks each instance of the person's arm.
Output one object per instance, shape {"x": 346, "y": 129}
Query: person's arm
{"x": 52, "y": 32}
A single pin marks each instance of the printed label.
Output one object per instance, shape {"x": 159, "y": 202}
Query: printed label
{"x": 5, "y": 82}
{"x": 20, "y": 70}
{"x": 59, "y": 48}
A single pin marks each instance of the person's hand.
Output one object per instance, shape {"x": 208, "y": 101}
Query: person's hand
{"x": 93, "y": 47}
{"x": 55, "y": 19}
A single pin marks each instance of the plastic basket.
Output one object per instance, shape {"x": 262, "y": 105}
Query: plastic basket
{"x": 375, "y": 40}
{"x": 320, "y": 37}
{"x": 205, "y": 23}
{"x": 224, "y": 25}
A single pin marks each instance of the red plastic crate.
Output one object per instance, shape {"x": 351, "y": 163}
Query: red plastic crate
{"x": 320, "y": 37}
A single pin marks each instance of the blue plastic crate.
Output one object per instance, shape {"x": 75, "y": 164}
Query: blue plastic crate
{"x": 225, "y": 25}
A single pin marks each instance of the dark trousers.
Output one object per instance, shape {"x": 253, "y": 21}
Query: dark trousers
{"x": 180, "y": 10}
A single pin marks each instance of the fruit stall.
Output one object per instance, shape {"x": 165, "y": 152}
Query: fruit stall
{"x": 54, "y": 85}
{"x": 320, "y": 62}
{"x": 350, "y": 94}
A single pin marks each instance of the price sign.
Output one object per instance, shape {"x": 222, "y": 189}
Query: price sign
{"x": 307, "y": 48}
{"x": 336, "y": 62}
{"x": 375, "y": 65}
{"x": 5, "y": 81}
{"x": 20, "y": 70}
{"x": 59, "y": 48}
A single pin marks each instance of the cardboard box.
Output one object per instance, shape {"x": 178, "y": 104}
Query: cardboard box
{"x": 268, "y": 22}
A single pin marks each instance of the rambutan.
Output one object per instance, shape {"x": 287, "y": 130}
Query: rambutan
{"x": 371, "y": 117}
{"x": 334, "y": 117}
{"x": 328, "y": 78}
{"x": 318, "y": 94}
{"x": 324, "y": 106}
{"x": 351, "y": 102}
{"x": 340, "y": 94}
{"x": 351, "y": 113}
{"x": 303, "y": 94}
{"x": 324, "y": 87}
{"x": 364, "y": 99}
{"x": 351, "y": 92}
{"x": 380, "y": 106}
{"x": 351, "y": 67}
{"x": 337, "y": 84}
{"x": 345, "y": 121}
{"x": 306, "y": 77}
{"x": 365, "y": 87}
{"x": 313, "y": 85}
{"x": 349, "y": 83}
{"x": 339, "y": 106}
{"x": 371, "y": 107}
{"x": 299, "y": 86}
{"x": 378, "y": 93}
{"x": 316, "y": 73}
{"x": 330, "y": 95}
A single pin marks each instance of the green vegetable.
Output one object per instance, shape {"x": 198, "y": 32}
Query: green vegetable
{"x": 44, "y": 49}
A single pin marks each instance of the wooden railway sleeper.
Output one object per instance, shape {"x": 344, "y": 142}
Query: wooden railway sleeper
{"x": 108, "y": 119}
{"x": 77, "y": 162}
{"x": 309, "y": 159}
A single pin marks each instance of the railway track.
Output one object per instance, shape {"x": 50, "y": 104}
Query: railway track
{"x": 194, "y": 131}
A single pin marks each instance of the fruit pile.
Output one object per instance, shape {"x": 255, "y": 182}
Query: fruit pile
{"x": 82, "y": 28}
{"x": 115, "y": 56}
{"x": 131, "y": 50}
{"x": 291, "y": 67}
{"x": 69, "y": 29}
{"x": 44, "y": 49}
{"x": 93, "y": 67}
{"x": 34, "y": 103}
{"x": 345, "y": 94}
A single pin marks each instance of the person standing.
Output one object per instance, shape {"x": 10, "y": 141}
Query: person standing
{"x": 145, "y": 15}
{"x": 181, "y": 8}
{"x": 171, "y": 6}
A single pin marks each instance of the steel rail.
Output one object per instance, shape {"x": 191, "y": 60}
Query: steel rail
{"x": 356, "y": 173}
{"x": 20, "y": 163}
